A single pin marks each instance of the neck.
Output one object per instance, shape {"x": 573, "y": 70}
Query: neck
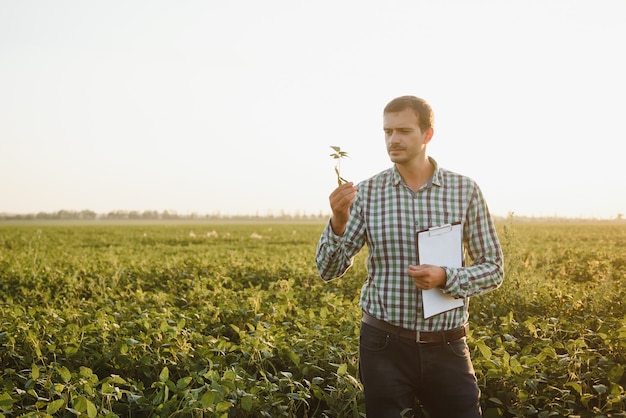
{"x": 416, "y": 174}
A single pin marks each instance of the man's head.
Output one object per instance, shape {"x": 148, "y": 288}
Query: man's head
{"x": 407, "y": 123}
{"x": 423, "y": 111}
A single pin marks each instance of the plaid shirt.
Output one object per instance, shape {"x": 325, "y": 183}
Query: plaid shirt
{"x": 386, "y": 215}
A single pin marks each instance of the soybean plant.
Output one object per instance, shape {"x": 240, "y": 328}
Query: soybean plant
{"x": 338, "y": 155}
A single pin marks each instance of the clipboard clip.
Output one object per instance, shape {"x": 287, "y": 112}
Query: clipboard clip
{"x": 437, "y": 230}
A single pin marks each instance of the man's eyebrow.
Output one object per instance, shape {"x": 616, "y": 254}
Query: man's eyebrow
{"x": 397, "y": 128}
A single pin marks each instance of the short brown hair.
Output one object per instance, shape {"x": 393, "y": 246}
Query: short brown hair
{"x": 423, "y": 111}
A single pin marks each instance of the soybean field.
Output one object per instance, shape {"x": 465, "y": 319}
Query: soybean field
{"x": 231, "y": 320}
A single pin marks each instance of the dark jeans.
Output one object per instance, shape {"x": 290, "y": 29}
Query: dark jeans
{"x": 396, "y": 371}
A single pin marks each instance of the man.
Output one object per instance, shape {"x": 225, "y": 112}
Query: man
{"x": 404, "y": 356}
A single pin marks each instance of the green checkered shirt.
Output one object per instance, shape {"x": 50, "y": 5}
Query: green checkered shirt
{"x": 385, "y": 216}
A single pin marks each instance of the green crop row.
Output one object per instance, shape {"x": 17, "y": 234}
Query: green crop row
{"x": 226, "y": 320}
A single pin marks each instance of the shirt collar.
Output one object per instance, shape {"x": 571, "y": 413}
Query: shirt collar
{"x": 436, "y": 179}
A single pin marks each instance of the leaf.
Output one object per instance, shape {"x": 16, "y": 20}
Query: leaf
{"x": 65, "y": 374}
{"x": 82, "y": 405}
{"x": 318, "y": 380}
{"x": 208, "y": 399}
{"x": 223, "y": 406}
{"x": 293, "y": 357}
{"x": 246, "y": 403}
{"x": 600, "y": 388}
{"x": 54, "y": 406}
{"x": 165, "y": 375}
{"x": 183, "y": 382}
{"x": 92, "y": 411}
{"x": 85, "y": 372}
{"x": 34, "y": 371}
{"x": 575, "y": 386}
{"x": 6, "y": 402}
{"x": 342, "y": 370}
{"x": 484, "y": 350}
{"x": 615, "y": 374}
{"x": 230, "y": 376}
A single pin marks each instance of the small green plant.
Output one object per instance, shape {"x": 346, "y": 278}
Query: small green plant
{"x": 338, "y": 155}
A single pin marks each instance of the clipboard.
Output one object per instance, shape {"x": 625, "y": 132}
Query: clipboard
{"x": 440, "y": 246}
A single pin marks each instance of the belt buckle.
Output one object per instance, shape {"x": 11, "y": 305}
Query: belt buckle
{"x": 417, "y": 336}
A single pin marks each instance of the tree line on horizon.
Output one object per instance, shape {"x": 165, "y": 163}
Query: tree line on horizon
{"x": 170, "y": 215}
{"x": 90, "y": 215}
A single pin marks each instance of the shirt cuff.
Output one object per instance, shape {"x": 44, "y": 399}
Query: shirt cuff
{"x": 331, "y": 237}
{"x": 453, "y": 286}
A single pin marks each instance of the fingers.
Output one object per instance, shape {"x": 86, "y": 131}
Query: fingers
{"x": 427, "y": 276}
{"x": 340, "y": 200}
{"x": 342, "y": 197}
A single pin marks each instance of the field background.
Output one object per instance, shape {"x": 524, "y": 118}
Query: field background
{"x": 231, "y": 320}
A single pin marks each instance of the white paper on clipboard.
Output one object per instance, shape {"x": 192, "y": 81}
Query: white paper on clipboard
{"x": 440, "y": 246}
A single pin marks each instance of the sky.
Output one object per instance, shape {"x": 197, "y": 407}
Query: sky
{"x": 230, "y": 107}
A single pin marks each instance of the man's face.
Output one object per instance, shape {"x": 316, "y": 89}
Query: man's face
{"x": 404, "y": 138}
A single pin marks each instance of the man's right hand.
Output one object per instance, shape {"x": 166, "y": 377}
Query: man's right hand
{"x": 340, "y": 200}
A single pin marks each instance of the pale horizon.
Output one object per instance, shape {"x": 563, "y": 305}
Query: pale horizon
{"x": 231, "y": 108}
{"x": 172, "y": 214}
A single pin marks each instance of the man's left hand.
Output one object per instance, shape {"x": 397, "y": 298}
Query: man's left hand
{"x": 427, "y": 276}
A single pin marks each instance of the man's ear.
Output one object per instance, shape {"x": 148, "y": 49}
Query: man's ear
{"x": 428, "y": 135}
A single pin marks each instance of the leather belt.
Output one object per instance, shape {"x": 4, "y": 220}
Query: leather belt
{"x": 417, "y": 336}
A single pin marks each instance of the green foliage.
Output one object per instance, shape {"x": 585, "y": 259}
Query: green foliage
{"x": 338, "y": 155}
{"x": 551, "y": 341}
{"x": 225, "y": 320}
{"x": 231, "y": 320}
